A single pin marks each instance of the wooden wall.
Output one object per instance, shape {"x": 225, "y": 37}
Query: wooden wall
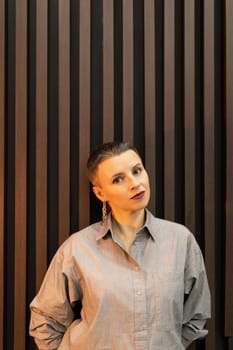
{"x": 75, "y": 73}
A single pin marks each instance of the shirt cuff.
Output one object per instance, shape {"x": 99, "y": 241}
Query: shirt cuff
{"x": 191, "y": 333}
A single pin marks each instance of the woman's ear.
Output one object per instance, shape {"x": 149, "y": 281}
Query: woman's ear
{"x": 98, "y": 193}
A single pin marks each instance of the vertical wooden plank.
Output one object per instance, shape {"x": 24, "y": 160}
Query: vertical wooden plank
{"x": 20, "y": 175}
{"x": 189, "y": 112}
{"x": 128, "y": 81}
{"x": 229, "y": 171}
{"x": 189, "y": 116}
{"x": 2, "y": 157}
{"x": 149, "y": 56}
{"x": 41, "y": 139}
{"x": 108, "y": 71}
{"x": 84, "y": 111}
{"x": 64, "y": 120}
{"x": 209, "y": 162}
{"x": 169, "y": 109}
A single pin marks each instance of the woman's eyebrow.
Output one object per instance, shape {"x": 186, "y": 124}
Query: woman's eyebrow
{"x": 122, "y": 173}
{"x": 137, "y": 165}
{"x": 117, "y": 174}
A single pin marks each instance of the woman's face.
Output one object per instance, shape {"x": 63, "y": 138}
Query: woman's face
{"x": 123, "y": 182}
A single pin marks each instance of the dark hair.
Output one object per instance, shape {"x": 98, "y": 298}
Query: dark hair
{"x": 104, "y": 152}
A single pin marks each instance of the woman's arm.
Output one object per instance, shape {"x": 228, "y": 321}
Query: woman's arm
{"x": 52, "y": 308}
{"x": 197, "y": 296}
{"x": 47, "y": 332}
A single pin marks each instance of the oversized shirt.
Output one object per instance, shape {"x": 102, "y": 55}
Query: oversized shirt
{"x": 155, "y": 298}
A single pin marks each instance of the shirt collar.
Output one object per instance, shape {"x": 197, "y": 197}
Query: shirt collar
{"x": 149, "y": 224}
{"x": 106, "y": 226}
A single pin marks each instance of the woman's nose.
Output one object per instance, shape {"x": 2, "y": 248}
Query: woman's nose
{"x": 134, "y": 182}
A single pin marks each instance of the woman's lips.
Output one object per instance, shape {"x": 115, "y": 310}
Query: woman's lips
{"x": 139, "y": 195}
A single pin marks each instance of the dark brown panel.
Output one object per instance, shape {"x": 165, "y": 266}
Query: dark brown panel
{"x": 84, "y": 112}
{"x": 108, "y": 73}
{"x": 229, "y": 172}
{"x": 2, "y": 180}
{"x": 209, "y": 149}
{"x": 128, "y": 81}
{"x": 189, "y": 112}
{"x": 20, "y": 174}
{"x": 41, "y": 139}
{"x": 169, "y": 109}
{"x": 64, "y": 121}
{"x": 149, "y": 45}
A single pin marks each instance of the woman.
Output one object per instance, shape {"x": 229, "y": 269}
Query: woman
{"x": 141, "y": 280}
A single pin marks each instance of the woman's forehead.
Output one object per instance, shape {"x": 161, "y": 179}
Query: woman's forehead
{"x": 120, "y": 162}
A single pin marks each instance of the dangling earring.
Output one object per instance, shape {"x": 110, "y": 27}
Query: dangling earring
{"x": 104, "y": 211}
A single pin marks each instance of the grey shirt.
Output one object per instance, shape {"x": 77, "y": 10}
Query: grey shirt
{"x": 155, "y": 298}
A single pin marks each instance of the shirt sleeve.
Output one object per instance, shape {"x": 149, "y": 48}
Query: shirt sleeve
{"x": 197, "y": 296}
{"x": 52, "y": 310}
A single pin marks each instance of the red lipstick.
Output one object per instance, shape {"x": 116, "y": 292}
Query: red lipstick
{"x": 139, "y": 195}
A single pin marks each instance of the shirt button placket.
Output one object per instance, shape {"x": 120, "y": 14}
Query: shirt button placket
{"x": 140, "y": 317}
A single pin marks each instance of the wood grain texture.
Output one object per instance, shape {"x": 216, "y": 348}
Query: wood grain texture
{"x": 64, "y": 120}
{"x": 209, "y": 159}
{"x": 84, "y": 112}
{"x": 20, "y": 175}
{"x": 128, "y": 81}
{"x": 229, "y": 172}
{"x": 108, "y": 71}
{"x": 189, "y": 113}
{"x": 149, "y": 67}
{"x": 41, "y": 139}
{"x": 2, "y": 165}
{"x": 169, "y": 109}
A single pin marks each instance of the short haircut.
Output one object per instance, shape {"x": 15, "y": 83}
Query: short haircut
{"x": 103, "y": 152}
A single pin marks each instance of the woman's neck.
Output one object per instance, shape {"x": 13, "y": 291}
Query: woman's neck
{"x": 128, "y": 224}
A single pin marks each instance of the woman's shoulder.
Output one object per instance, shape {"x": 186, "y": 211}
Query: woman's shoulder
{"x": 79, "y": 242}
{"x": 167, "y": 230}
{"x": 87, "y": 233}
{"x": 165, "y": 225}
{"x": 170, "y": 230}
{"x": 78, "y": 245}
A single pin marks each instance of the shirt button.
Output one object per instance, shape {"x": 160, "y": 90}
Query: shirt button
{"x": 138, "y": 292}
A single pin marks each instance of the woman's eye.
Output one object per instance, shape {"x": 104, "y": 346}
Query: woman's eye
{"x": 137, "y": 170}
{"x": 117, "y": 180}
